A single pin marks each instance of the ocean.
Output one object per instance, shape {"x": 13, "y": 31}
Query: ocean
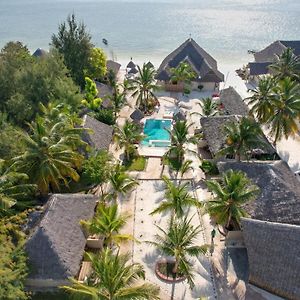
{"x": 149, "y": 30}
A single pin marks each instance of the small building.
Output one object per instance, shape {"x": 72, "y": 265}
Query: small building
{"x": 56, "y": 245}
{"x": 274, "y": 257}
{"x": 101, "y": 135}
{"x": 215, "y": 137}
{"x": 41, "y": 53}
{"x": 279, "y": 197}
{"x": 233, "y": 103}
{"x": 113, "y": 66}
{"x": 203, "y": 64}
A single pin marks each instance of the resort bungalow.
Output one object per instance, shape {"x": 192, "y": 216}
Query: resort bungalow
{"x": 215, "y": 138}
{"x": 271, "y": 233}
{"x": 113, "y": 66}
{"x": 56, "y": 244}
{"x": 267, "y": 56}
{"x": 101, "y": 135}
{"x": 204, "y": 65}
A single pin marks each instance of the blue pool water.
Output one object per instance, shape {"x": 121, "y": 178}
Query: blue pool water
{"x": 156, "y": 133}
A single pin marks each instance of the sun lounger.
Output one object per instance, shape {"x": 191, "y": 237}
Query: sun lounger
{"x": 85, "y": 271}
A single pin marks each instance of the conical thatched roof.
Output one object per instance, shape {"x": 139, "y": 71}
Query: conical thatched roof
{"x": 133, "y": 71}
{"x": 273, "y": 254}
{"x": 56, "y": 246}
{"x": 39, "y": 53}
{"x": 203, "y": 64}
{"x": 137, "y": 115}
{"x": 131, "y": 65}
{"x": 149, "y": 64}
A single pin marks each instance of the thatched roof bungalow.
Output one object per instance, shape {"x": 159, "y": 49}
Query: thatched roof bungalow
{"x": 113, "y": 66}
{"x": 101, "y": 135}
{"x": 279, "y": 197}
{"x": 233, "y": 103}
{"x": 202, "y": 63}
{"x": 274, "y": 256}
{"x": 56, "y": 245}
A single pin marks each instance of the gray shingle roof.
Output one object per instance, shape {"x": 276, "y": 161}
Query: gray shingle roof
{"x": 203, "y": 64}
{"x": 102, "y": 134}
{"x": 259, "y": 68}
{"x": 56, "y": 245}
{"x": 233, "y": 102}
{"x": 274, "y": 256}
{"x": 279, "y": 198}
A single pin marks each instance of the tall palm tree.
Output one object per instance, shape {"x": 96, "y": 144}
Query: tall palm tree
{"x": 114, "y": 278}
{"x": 143, "y": 86}
{"x": 234, "y": 190}
{"x": 178, "y": 199}
{"x": 13, "y": 188}
{"x": 180, "y": 242}
{"x": 209, "y": 107}
{"x": 50, "y": 158}
{"x": 118, "y": 101}
{"x": 108, "y": 222}
{"x": 242, "y": 137}
{"x": 283, "y": 121}
{"x": 183, "y": 73}
{"x": 127, "y": 136}
{"x": 179, "y": 140}
{"x": 121, "y": 182}
{"x": 184, "y": 168}
{"x": 261, "y": 101}
{"x": 287, "y": 65}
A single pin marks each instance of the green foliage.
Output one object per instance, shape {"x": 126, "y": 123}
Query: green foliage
{"x": 209, "y": 107}
{"x": 13, "y": 268}
{"x": 97, "y": 169}
{"x": 91, "y": 101}
{"x": 105, "y": 116}
{"x": 209, "y": 167}
{"x": 97, "y": 64}
{"x": 136, "y": 164}
{"x": 183, "y": 73}
{"x": 230, "y": 195}
{"x": 114, "y": 277}
{"x": 74, "y": 43}
{"x": 108, "y": 223}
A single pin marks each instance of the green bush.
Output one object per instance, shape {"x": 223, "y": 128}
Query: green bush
{"x": 106, "y": 116}
{"x": 209, "y": 167}
{"x": 186, "y": 91}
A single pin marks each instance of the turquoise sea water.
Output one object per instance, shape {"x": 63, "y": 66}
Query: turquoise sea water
{"x": 146, "y": 29}
{"x": 156, "y": 130}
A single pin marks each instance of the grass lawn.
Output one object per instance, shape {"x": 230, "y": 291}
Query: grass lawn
{"x": 137, "y": 164}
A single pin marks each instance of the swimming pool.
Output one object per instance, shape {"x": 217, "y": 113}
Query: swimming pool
{"x": 156, "y": 133}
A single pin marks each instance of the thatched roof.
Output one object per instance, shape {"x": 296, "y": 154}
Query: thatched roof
{"x": 259, "y": 68}
{"x": 149, "y": 64}
{"x": 104, "y": 91}
{"x": 131, "y": 65}
{"x": 113, "y": 65}
{"x": 213, "y": 130}
{"x": 102, "y": 134}
{"x": 133, "y": 70}
{"x": 137, "y": 115}
{"x": 233, "y": 102}
{"x": 39, "y": 53}
{"x": 269, "y": 53}
{"x": 204, "y": 65}
{"x": 56, "y": 246}
{"x": 273, "y": 254}
{"x": 279, "y": 197}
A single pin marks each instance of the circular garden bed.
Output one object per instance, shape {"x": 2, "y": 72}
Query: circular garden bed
{"x": 164, "y": 271}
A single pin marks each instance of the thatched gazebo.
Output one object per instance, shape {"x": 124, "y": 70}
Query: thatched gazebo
{"x": 133, "y": 71}
{"x": 131, "y": 65}
{"x": 137, "y": 115}
{"x": 40, "y": 53}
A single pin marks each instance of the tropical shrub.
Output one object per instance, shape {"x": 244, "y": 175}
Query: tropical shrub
{"x": 209, "y": 167}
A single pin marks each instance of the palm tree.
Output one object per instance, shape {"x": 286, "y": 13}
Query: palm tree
{"x": 178, "y": 199}
{"x": 287, "y": 65}
{"x": 242, "y": 137}
{"x": 143, "y": 86}
{"x": 127, "y": 136}
{"x": 283, "y": 121}
{"x": 179, "y": 140}
{"x": 108, "y": 222}
{"x": 114, "y": 278}
{"x": 50, "y": 157}
{"x": 209, "y": 107}
{"x": 180, "y": 242}
{"x": 261, "y": 101}
{"x": 183, "y": 73}
{"x": 13, "y": 188}
{"x": 184, "y": 168}
{"x": 234, "y": 190}
{"x": 121, "y": 182}
{"x": 118, "y": 101}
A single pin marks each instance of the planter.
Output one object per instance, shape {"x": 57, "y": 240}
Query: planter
{"x": 163, "y": 270}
